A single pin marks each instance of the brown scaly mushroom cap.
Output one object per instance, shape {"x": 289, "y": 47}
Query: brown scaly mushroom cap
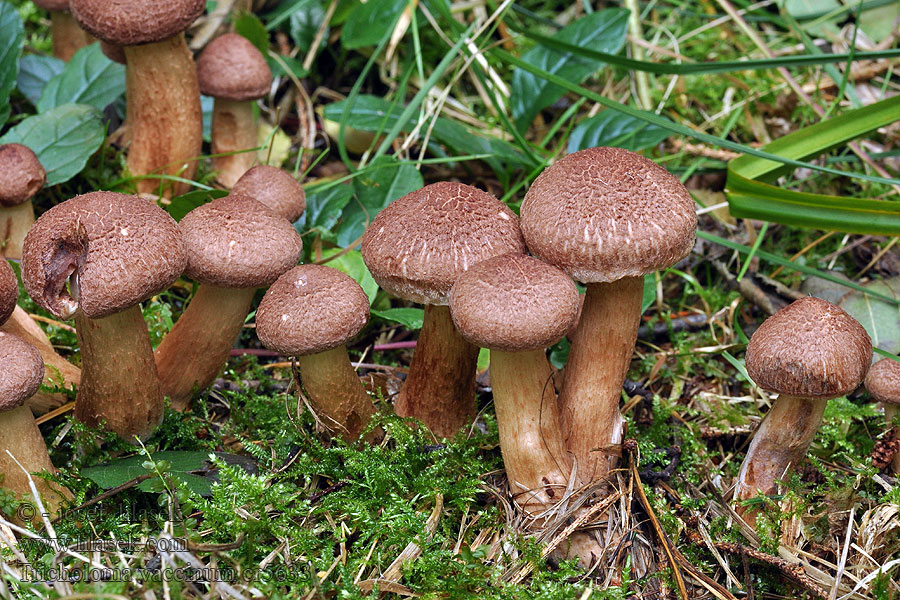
{"x": 513, "y": 303}
{"x": 809, "y": 349}
{"x": 311, "y": 309}
{"x": 603, "y": 214}
{"x": 417, "y": 246}
{"x": 9, "y": 291}
{"x": 883, "y": 381}
{"x": 134, "y": 22}
{"x": 119, "y": 250}
{"x": 274, "y": 187}
{"x": 53, "y": 5}
{"x": 237, "y": 242}
{"x": 21, "y": 174}
{"x": 21, "y": 371}
{"x": 231, "y": 67}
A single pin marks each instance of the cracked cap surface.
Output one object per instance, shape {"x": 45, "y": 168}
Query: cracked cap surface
{"x": 602, "y": 214}
{"x": 883, "y": 381}
{"x": 21, "y": 371}
{"x": 274, "y": 187}
{"x": 134, "y": 22}
{"x": 9, "y": 290}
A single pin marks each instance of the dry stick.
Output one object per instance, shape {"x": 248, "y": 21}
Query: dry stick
{"x": 793, "y": 570}
{"x": 107, "y": 494}
{"x": 843, "y": 561}
{"x": 657, "y": 528}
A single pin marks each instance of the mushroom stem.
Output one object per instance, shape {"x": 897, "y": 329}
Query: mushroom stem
{"x": 531, "y": 441}
{"x": 335, "y": 392}
{"x": 233, "y": 134}
{"x": 58, "y": 371}
{"x": 68, "y": 36}
{"x": 164, "y": 113}
{"x": 780, "y": 442}
{"x": 119, "y": 381}
{"x": 20, "y": 435}
{"x": 15, "y": 221}
{"x": 600, "y": 355}
{"x": 890, "y": 411}
{"x": 192, "y": 354}
{"x": 440, "y": 387}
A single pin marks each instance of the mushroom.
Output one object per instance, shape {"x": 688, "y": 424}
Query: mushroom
{"x": 162, "y": 94}
{"x": 21, "y": 371}
{"x": 808, "y": 352}
{"x": 311, "y": 312}
{"x": 9, "y": 291}
{"x": 274, "y": 187}
{"x": 517, "y": 306}
{"x": 235, "y": 73}
{"x": 21, "y": 177}
{"x": 605, "y": 216}
{"x": 883, "y": 384}
{"x": 415, "y": 249}
{"x": 68, "y": 37}
{"x": 234, "y": 246}
{"x": 115, "y": 251}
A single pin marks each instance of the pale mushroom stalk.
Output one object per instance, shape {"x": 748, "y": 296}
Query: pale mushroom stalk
{"x": 68, "y": 36}
{"x": 164, "y": 114}
{"x": 441, "y": 355}
{"x": 208, "y": 328}
{"x": 234, "y": 136}
{"x": 599, "y": 358}
{"x": 890, "y": 411}
{"x": 21, "y": 177}
{"x": 883, "y": 384}
{"x": 15, "y": 221}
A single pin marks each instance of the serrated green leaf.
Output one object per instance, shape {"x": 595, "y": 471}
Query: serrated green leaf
{"x": 88, "y": 78}
{"x": 182, "y": 205}
{"x": 610, "y": 128}
{"x": 12, "y": 39}
{"x": 34, "y": 73}
{"x": 386, "y": 180}
{"x": 411, "y": 318}
{"x": 603, "y": 30}
{"x": 369, "y": 22}
{"x": 63, "y": 138}
{"x": 351, "y": 263}
{"x": 180, "y": 465}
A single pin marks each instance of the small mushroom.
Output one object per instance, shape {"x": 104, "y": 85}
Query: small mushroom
{"x": 68, "y": 37}
{"x": 607, "y": 217}
{"x": 114, "y": 251}
{"x": 161, "y": 89}
{"x": 235, "y": 245}
{"x": 883, "y": 384}
{"x": 311, "y": 312}
{"x": 9, "y": 291}
{"x": 235, "y": 73}
{"x": 21, "y": 371}
{"x": 808, "y": 353}
{"x": 415, "y": 249}
{"x": 274, "y": 187}
{"x": 21, "y": 177}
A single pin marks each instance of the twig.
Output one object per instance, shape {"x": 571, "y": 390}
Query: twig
{"x": 793, "y": 570}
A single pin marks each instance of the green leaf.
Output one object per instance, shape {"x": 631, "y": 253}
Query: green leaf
{"x": 385, "y": 180}
{"x": 463, "y": 140}
{"x": 180, "y": 465}
{"x": 751, "y": 195}
{"x": 351, "y": 263}
{"x": 368, "y": 113}
{"x": 370, "y": 22}
{"x": 881, "y": 319}
{"x": 249, "y": 26}
{"x": 323, "y": 208}
{"x": 64, "y": 138}
{"x": 611, "y": 128}
{"x": 305, "y": 21}
{"x": 182, "y": 205}
{"x": 411, "y": 318}
{"x": 12, "y": 38}
{"x": 89, "y": 78}
{"x": 34, "y": 73}
{"x": 649, "y": 296}
{"x": 603, "y": 30}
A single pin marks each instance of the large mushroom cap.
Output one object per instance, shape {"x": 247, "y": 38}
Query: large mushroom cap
{"x": 809, "y": 349}
{"x": 237, "y": 242}
{"x": 231, "y": 67}
{"x": 417, "y": 246}
{"x": 883, "y": 381}
{"x": 133, "y": 22}
{"x": 121, "y": 250}
{"x": 602, "y": 214}
{"x": 9, "y": 290}
{"x": 311, "y": 309}
{"x": 274, "y": 187}
{"x": 513, "y": 303}
{"x": 21, "y": 371}
{"x": 21, "y": 174}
